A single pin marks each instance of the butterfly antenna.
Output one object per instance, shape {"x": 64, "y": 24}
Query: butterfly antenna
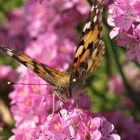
{"x": 15, "y": 83}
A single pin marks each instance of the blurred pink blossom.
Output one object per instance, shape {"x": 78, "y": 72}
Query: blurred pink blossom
{"x": 33, "y": 19}
{"x": 116, "y": 85}
{"x": 124, "y": 17}
{"x": 125, "y": 126}
{"x": 6, "y": 72}
{"x": 132, "y": 74}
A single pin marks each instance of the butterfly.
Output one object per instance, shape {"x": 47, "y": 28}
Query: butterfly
{"x": 87, "y": 58}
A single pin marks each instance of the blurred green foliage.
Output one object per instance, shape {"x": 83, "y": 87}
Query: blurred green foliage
{"x": 5, "y": 60}
{"x": 7, "y": 5}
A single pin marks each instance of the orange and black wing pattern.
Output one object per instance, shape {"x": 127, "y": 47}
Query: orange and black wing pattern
{"x": 51, "y": 75}
{"x": 90, "y": 48}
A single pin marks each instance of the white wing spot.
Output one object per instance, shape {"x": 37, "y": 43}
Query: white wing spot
{"x": 92, "y": 8}
{"x": 87, "y": 26}
{"x": 79, "y": 51}
{"x": 9, "y": 52}
{"x": 95, "y": 19}
{"x": 96, "y": 6}
{"x": 97, "y": 10}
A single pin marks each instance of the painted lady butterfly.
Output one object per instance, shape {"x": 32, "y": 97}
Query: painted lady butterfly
{"x": 87, "y": 57}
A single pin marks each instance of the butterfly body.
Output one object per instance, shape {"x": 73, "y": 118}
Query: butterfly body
{"x": 87, "y": 57}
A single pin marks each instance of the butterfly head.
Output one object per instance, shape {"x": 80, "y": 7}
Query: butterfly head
{"x": 75, "y": 87}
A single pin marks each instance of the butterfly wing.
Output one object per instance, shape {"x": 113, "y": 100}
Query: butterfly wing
{"x": 90, "y": 48}
{"x": 51, "y": 75}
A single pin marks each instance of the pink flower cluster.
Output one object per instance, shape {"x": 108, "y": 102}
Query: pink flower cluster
{"x": 75, "y": 124}
{"x": 125, "y": 126}
{"x": 124, "y": 17}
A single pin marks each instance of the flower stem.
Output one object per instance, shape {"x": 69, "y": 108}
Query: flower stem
{"x": 129, "y": 90}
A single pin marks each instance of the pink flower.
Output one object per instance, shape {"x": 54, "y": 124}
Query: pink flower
{"x": 31, "y": 102}
{"x": 124, "y": 16}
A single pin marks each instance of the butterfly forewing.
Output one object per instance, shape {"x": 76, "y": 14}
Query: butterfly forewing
{"x": 51, "y": 75}
{"x": 90, "y": 48}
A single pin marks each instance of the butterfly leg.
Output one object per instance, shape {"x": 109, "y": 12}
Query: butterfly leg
{"x": 53, "y": 108}
{"x": 54, "y": 103}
